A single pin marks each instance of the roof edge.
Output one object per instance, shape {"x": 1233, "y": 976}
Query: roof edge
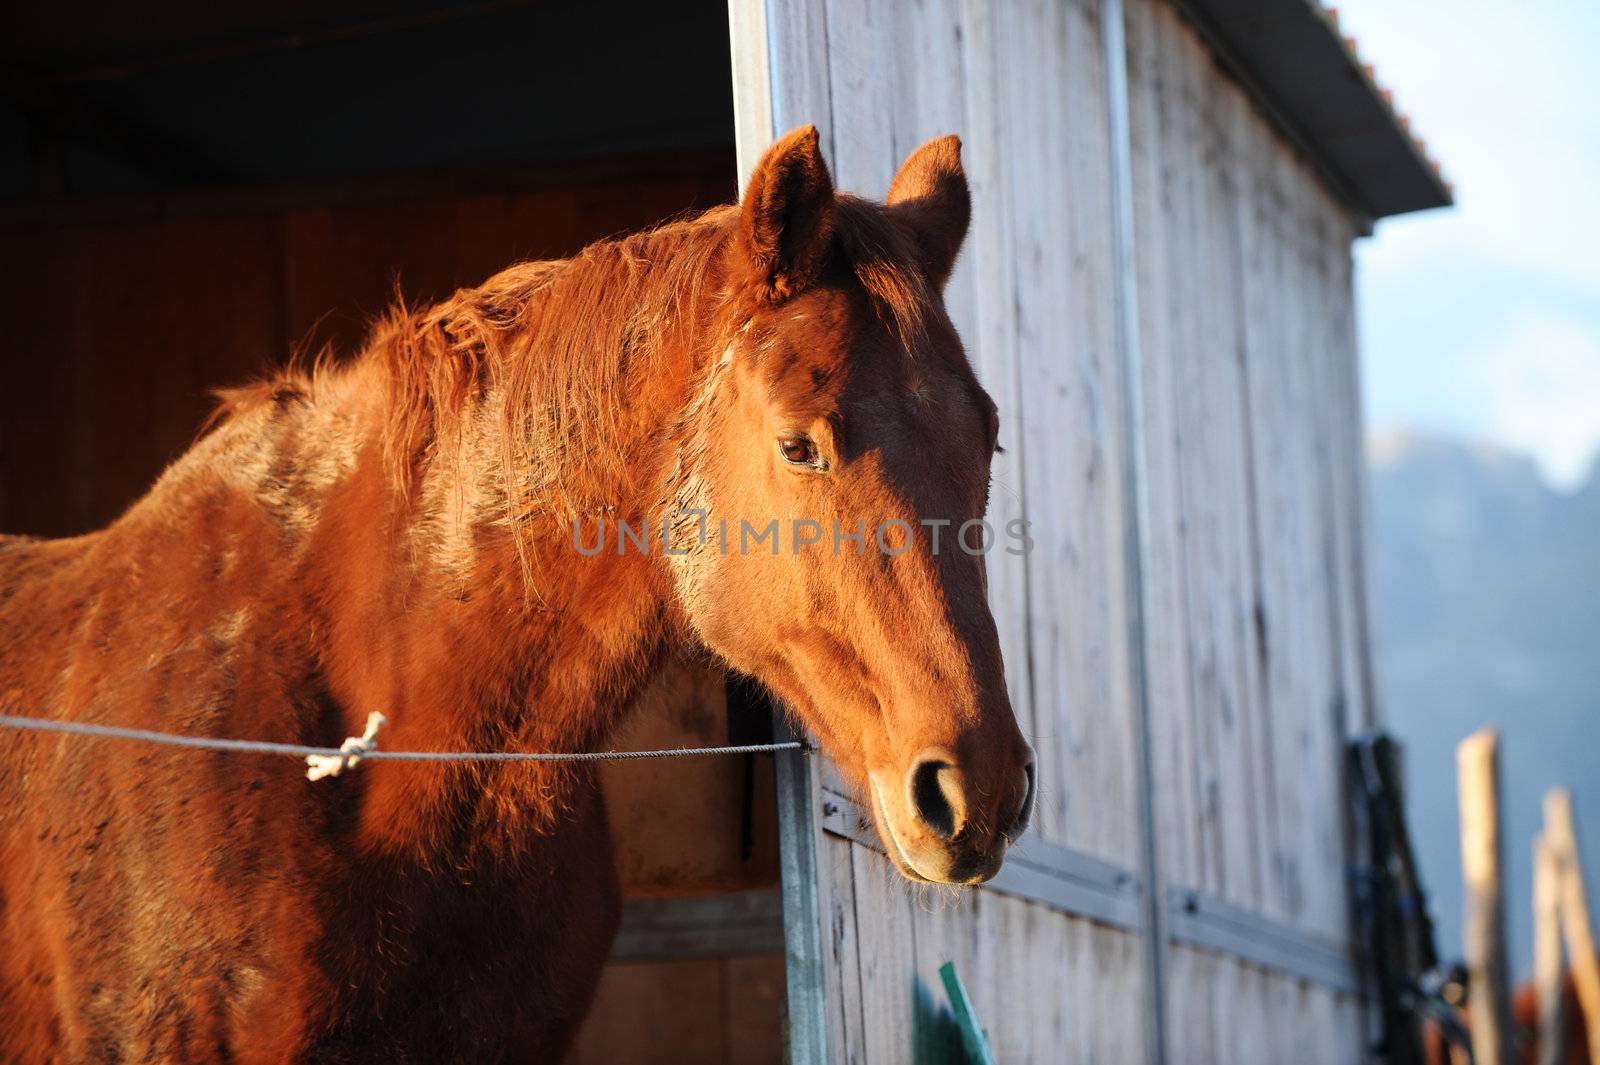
{"x": 1291, "y": 58}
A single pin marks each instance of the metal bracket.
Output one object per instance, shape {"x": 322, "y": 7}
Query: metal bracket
{"x": 1085, "y": 886}
{"x": 1203, "y": 920}
{"x": 1037, "y": 870}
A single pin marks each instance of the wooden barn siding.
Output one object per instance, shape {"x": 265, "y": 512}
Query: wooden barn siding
{"x": 1256, "y": 611}
{"x": 1032, "y": 297}
{"x": 1255, "y": 629}
{"x": 1023, "y": 84}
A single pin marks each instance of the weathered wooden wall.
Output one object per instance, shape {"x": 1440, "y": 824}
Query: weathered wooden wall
{"x": 1253, "y": 640}
{"x": 1023, "y": 83}
{"x": 1251, "y": 426}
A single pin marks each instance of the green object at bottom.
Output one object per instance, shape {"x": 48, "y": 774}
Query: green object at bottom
{"x": 971, "y": 1032}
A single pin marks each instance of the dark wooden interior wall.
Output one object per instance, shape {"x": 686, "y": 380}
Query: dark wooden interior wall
{"x": 118, "y": 330}
{"x": 119, "y": 327}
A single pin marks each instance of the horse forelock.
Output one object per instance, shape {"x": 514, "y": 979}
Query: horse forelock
{"x": 880, "y": 254}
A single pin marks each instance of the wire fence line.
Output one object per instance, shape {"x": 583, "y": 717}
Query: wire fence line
{"x": 348, "y": 756}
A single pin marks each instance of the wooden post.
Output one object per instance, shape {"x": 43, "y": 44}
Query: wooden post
{"x": 1547, "y": 974}
{"x": 1484, "y": 934}
{"x": 1575, "y": 923}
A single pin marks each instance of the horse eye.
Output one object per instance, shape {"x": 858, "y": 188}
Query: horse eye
{"x": 798, "y": 451}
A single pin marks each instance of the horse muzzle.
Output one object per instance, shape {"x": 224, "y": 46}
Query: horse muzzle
{"x": 935, "y": 827}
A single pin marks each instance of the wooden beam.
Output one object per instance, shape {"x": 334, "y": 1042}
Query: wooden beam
{"x": 1484, "y": 933}
{"x": 700, "y": 926}
{"x": 1576, "y": 924}
{"x": 801, "y": 859}
{"x": 366, "y": 191}
{"x": 1082, "y": 885}
{"x": 1547, "y": 951}
{"x": 1136, "y": 546}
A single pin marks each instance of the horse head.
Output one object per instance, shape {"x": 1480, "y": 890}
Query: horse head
{"x": 841, "y": 475}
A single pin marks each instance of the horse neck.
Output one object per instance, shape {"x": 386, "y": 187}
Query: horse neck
{"x": 474, "y": 623}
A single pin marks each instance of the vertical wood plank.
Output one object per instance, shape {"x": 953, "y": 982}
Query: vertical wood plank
{"x": 753, "y": 120}
{"x": 988, "y": 259}
{"x": 842, "y": 952}
{"x": 1547, "y": 972}
{"x": 1172, "y": 737}
{"x": 1576, "y": 921}
{"x": 947, "y": 928}
{"x": 861, "y": 62}
{"x": 1245, "y": 307}
{"x": 797, "y": 49}
{"x": 887, "y": 943}
{"x": 1478, "y": 770}
{"x": 1053, "y": 103}
{"x": 809, "y": 985}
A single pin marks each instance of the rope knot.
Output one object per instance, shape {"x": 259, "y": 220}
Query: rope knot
{"x": 350, "y": 751}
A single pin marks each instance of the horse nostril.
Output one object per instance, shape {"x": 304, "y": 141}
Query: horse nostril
{"x": 935, "y": 796}
{"x": 1019, "y": 824}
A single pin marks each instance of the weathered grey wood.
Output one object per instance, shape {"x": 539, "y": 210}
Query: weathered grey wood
{"x": 1082, "y": 886}
{"x": 1302, "y": 622}
{"x": 1135, "y": 518}
{"x": 1176, "y": 787}
{"x": 1188, "y": 854}
{"x": 1053, "y": 118}
{"x": 1250, "y": 554}
{"x": 887, "y": 924}
{"x": 1478, "y": 780}
{"x": 753, "y": 123}
{"x": 1547, "y": 971}
{"x": 1061, "y": 878}
{"x": 802, "y": 864}
{"x": 842, "y": 948}
{"x": 1576, "y": 924}
{"x": 1243, "y": 263}
{"x": 797, "y": 50}
{"x": 1218, "y": 925}
{"x": 990, "y": 260}
{"x": 860, "y": 63}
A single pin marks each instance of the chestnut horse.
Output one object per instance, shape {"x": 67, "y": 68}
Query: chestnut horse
{"x": 398, "y": 534}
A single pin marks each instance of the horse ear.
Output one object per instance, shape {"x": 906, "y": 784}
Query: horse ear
{"x": 786, "y": 220}
{"x": 930, "y": 193}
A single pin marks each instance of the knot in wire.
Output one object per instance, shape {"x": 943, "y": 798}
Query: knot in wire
{"x": 350, "y": 751}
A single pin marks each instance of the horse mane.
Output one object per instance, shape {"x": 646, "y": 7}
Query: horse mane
{"x": 554, "y": 338}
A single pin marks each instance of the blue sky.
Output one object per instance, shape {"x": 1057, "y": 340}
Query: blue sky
{"x": 1483, "y": 321}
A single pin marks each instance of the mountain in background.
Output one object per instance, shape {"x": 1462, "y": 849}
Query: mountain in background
{"x": 1488, "y": 611}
